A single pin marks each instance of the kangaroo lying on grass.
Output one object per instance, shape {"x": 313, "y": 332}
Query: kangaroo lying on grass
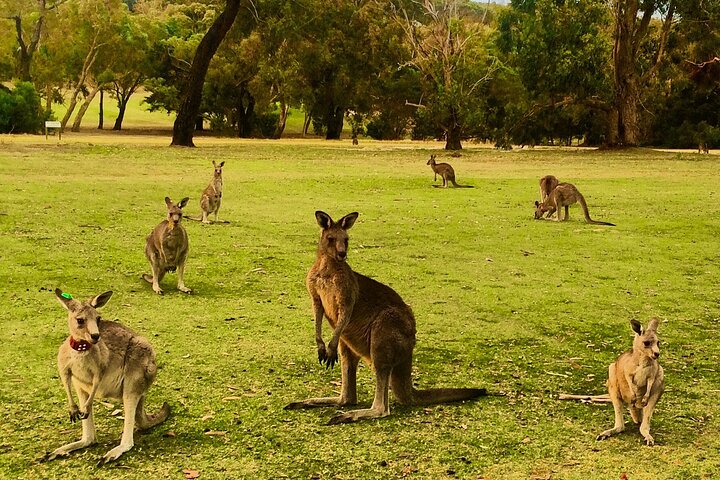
{"x": 212, "y": 195}
{"x": 637, "y": 380}
{"x": 166, "y": 248}
{"x": 446, "y": 173}
{"x": 104, "y": 359}
{"x": 371, "y": 322}
{"x": 564, "y": 195}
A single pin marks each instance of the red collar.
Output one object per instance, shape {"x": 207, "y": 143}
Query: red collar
{"x": 80, "y": 345}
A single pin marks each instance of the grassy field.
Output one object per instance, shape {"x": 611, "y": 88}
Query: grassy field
{"x": 527, "y": 309}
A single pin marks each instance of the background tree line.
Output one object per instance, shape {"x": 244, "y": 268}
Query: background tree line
{"x": 601, "y": 72}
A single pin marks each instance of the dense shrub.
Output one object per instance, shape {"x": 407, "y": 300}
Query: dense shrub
{"x": 20, "y": 110}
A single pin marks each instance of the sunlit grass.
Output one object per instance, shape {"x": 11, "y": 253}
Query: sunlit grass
{"x": 524, "y": 308}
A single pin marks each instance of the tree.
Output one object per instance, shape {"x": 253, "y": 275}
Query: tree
{"x": 192, "y": 96}
{"x": 448, "y": 42}
{"x": 632, "y": 19}
{"x": 28, "y": 37}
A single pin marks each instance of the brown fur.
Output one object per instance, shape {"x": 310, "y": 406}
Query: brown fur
{"x": 211, "y": 198}
{"x": 166, "y": 248}
{"x": 119, "y": 365}
{"x": 446, "y": 172}
{"x": 703, "y": 148}
{"x": 547, "y": 185}
{"x": 636, "y": 379}
{"x": 370, "y": 322}
{"x": 564, "y": 195}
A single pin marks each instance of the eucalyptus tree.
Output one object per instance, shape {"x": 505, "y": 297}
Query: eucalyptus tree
{"x": 449, "y": 43}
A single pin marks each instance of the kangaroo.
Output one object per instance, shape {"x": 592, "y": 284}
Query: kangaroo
{"x": 446, "y": 173}
{"x": 371, "y": 322}
{"x": 104, "y": 359}
{"x": 637, "y": 380}
{"x": 703, "y": 148}
{"x": 212, "y": 195}
{"x": 166, "y": 248}
{"x": 547, "y": 185}
{"x": 564, "y": 195}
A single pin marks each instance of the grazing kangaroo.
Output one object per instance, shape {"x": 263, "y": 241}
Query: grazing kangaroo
{"x": 445, "y": 171}
{"x": 564, "y": 195}
{"x": 104, "y": 359}
{"x": 703, "y": 148}
{"x": 166, "y": 248}
{"x": 370, "y": 322}
{"x": 636, "y": 379}
{"x": 212, "y": 195}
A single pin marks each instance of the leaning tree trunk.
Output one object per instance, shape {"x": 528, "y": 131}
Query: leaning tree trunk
{"x": 83, "y": 109}
{"x": 282, "y": 120}
{"x": 190, "y": 106}
{"x": 101, "y": 113}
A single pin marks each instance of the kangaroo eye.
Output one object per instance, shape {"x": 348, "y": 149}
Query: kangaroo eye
{"x": 331, "y": 239}
{"x": 81, "y": 321}
{"x": 648, "y": 343}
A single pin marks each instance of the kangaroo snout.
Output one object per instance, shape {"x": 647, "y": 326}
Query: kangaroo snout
{"x": 341, "y": 255}
{"x": 95, "y": 337}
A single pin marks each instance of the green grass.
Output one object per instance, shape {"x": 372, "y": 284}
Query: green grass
{"x": 525, "y": 308}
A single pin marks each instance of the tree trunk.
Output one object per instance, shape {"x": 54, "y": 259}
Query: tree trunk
{"x": 190, "y": 106}
{"x": 246, "y": 115}
{"x": 101, "y": 114}
{"x": 334, "y": 120}
{"x": 282, "y": 120}
{"x": 453, "y": 132}
{"x": 306, "y": 123}
{"x": 122, "y": 105}
{"x": 200, "y": 123}
{"x": 83, "y": 109}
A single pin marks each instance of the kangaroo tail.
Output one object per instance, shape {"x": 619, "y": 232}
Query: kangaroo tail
{"x": 457, "y": 185}
{"x": 445, "y": 395}
{"x": 144, "y": 421}
{"x": 196, "y": 219}
{"x": 581, "y": 201}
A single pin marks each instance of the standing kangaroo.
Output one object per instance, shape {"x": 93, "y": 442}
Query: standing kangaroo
{"x": 564, "y": 195}
{"x": 212, "y": 195}
{"x": 547, "y": 185}
{"x": 637, "y": 380}
{"x": 445, "y": 171}
{"x": 104, "y": 359}
{"x": 371, "y": 322}
{"x": 166, "y": 248}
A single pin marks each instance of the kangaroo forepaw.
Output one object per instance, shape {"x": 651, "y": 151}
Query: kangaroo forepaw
{"x": 75, "y": 414}
{"x": 322, "y": 354}
{"x": 330, "y": 360}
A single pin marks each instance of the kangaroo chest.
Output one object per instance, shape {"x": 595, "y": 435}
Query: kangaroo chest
{"x": 88, "y": 366}
{"x": 642, "y": 374}
{"x": 173, "y": 244}
{"x": 337, "y": 290}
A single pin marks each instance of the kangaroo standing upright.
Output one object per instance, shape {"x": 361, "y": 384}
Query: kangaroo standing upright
{"x": 637, "y": 380}
{"x": 166, "y": 248}
{"x": 547, "y": 185}
{"x": 370, "y": 322}
{"x": 212, "y": 195}
{"x": 564, "y": 195}
{"x": 104, "y": 359}
{"x": 445, "y": 171}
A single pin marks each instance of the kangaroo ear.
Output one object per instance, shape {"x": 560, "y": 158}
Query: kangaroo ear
{"x": 636, "y": 326}
{"x": 65, "y": 301}
{"x": 168, "y": 202}
{"x": 652, "y": 325}
{"x": 323, "y": 219}
{"x": 348, "y": 220}
{"x": 183, "y": 202}
{"x": 214, "y": 164}
{"x": 222, "y": 164}
{"x": 101, "y": 299}
{"x": 537, "y": 204}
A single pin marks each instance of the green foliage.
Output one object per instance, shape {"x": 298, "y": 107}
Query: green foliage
{"x": 20, "y": 110}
